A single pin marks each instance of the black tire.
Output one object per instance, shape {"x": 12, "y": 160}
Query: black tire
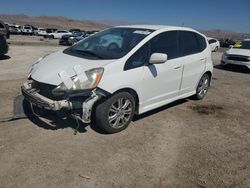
{"x": 216, "y": 49}
{"x": 205, "y": 79}
{"x": 103, "y": 113}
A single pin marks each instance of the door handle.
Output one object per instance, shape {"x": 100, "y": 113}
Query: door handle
{"x": 177, "y": 67}
{"x": 201, "y": 59}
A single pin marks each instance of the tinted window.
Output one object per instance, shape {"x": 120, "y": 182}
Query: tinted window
{"x": 191, "y": 43}
{"x": 139, "y": 58}
{"x": 166, "y": 43}
{"x": 211, "y": 41}
{"x": 1, "y": 25}
{"x": 201, "y": 42}
{"x": 163, "y": 43}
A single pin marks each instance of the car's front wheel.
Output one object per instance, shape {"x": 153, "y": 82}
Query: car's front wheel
{"x": 114, "y": 114}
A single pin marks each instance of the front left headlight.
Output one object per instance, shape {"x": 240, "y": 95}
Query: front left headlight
{"x": 93, "y": 77}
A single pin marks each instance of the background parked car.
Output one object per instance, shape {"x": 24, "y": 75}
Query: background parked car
{"x": 74, "y": 30}
{"x": 239, "y": 54}
{"x": 4, "y": 29}
{"x": 40, "y": 32}
{"x": 71, "y": 39}
{"x": 226, "y": 42}
{"x": 27, "y": 30}
{"x": 3, "y": 45}
{"x": 58, "y": 34}
{"x": 48, "y": 31}
{"x": 13, "y": 30}
{"x": 214, "y": 44}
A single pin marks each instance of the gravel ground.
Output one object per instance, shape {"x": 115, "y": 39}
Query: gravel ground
{"x": 185, "y": 144}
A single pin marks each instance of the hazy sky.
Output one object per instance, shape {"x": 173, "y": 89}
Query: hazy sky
{"x": 233, "y": 15}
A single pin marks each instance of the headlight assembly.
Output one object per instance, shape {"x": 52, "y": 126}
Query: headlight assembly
{"x": 92, "y": 79}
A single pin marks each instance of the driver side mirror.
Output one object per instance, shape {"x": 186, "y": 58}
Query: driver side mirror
{"x": 158, "y": 58}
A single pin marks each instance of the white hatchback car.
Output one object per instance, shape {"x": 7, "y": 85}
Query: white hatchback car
{"x": 153, "y": 66}
{"x": 214, "y": 44}
{"x": 239, "y": 54}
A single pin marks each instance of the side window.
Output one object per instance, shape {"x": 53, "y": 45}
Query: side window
{"x": 211, "y": 41}
{"x": 189, "y": 43}
{"x": 166, "y": 43}
{"x": 201, "y": 42}
{"x": 139, "y": 58}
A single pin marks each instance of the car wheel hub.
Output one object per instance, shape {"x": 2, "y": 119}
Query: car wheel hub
{"x": 119, "y": 113}
{"x": 203, "y": 86}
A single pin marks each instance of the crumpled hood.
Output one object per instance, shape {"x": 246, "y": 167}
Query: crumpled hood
{"x": 48, "y": 69}
{"x": 238, "y": 51}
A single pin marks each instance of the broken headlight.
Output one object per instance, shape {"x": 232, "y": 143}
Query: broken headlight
{"x": 89, "y": 80}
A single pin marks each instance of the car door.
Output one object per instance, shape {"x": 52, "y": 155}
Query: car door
{"x": 161, "y": 82}
{"x": 191, "y": 46}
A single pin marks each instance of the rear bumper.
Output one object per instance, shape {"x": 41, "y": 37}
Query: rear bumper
{"x": 32, "y": 96}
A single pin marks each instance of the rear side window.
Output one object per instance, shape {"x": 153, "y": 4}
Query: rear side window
{"x": 211, "y": 41}
{"x": 190, "y": 43}
{"x": 201, "y": 42}
{"x": 166, "y": 43}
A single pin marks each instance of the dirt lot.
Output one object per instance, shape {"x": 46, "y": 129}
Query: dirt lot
{"x": 185, "y": 144}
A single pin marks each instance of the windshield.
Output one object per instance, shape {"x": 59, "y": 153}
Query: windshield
{"x": 243, "y": 45}
{"x": 112, "y": 43}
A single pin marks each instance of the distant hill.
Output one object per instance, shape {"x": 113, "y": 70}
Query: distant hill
{"x": 219, "y": 34}
{"x": 52, "y": 22}
{"x": 67, "y": 23}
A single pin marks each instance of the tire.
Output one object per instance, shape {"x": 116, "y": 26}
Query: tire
{"x": 216, "y": 49}
{"x": 112, "y": 116}
{"x": 202, "y": 87}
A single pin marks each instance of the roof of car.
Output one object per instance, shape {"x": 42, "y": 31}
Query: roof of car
{"x": 156, "y": 27}
{"x": 246, "y": 39}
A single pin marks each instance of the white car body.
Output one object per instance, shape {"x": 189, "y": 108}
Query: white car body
{"x": 41, "y": 32}
{"x": 155, "y": 85}
{"x": 26, "y": 29}
{"x": 237, "y": 56}
{"x": 214, "y": 44}
{"x": 58, "y": 34}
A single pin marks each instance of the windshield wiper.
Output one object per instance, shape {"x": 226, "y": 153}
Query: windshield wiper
{"x": 90, "y": 53}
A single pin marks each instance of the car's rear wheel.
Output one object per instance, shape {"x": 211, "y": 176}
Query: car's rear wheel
{"x": 202, "y": 87}
{"x": 114, "y": 114}
{"x": 216, "y": 49}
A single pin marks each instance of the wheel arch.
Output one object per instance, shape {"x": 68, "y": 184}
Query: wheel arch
{"x": 133, "y": 93}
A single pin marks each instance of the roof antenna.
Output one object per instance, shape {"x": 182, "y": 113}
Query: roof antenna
{"x": 182, "y": 25}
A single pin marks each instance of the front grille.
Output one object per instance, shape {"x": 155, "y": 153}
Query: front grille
{"x": 45, "y": 89}
{"x": 238, "y": 58}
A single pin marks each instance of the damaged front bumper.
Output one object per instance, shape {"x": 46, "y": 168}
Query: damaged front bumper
{"x": 33, "y": 96}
